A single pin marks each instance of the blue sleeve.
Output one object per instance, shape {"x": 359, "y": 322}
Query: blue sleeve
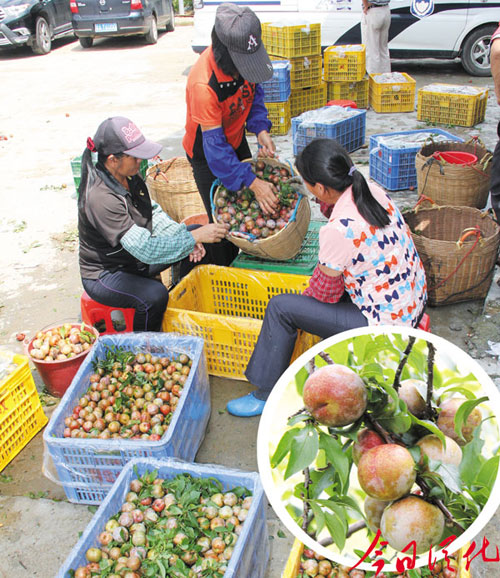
{"x": 224, "y": 163}
{"x": 257, "y": 119}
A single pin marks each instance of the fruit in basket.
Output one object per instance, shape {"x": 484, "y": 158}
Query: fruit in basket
{"x": 242, "y": 211}
{"x": 131, "y": 396}
{"x": 387, "y": 472}
{"x": 431, "y": 446}
{"x": 61, "y": 343}
{"x": 412, "y": 519}
{"x": 366, "y": 440}
{"x": 446, "y": 420}
{"x": 335, "y": 395}
{"x": 175, "y": 542}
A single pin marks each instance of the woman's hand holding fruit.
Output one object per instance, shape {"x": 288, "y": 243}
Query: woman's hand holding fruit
{"x": 211, "y": 233}
{"x": 265, "y": 193}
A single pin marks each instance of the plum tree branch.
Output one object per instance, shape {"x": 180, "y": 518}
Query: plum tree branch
{"x": 325, "y": 357}
{"x": 402, "y": 362}
{"x": 439, "y": 503}
{"x": 429, "y": 411}
{"x": 305, "y": 498}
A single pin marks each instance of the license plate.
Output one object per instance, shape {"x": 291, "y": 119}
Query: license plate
{"x": 107, "y": 27}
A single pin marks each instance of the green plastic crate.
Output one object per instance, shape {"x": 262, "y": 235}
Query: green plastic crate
{"x": 76, "y": 169}
{"x": 302, "y": 264}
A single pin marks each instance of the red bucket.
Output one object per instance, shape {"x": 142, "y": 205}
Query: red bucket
{"x": 57, "y": 375}
{"x": 456, "y": 157}
{"x": 198, "y": 219}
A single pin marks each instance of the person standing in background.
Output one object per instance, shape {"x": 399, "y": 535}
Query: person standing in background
{"x": 495, "y": 167}
{"x": 375, "y": 22}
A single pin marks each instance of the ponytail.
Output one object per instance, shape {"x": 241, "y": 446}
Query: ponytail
{"x": 324, "y": 161}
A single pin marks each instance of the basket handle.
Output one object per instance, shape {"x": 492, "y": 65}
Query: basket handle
{"x": 473, "y": 231}
{"x": 423, "y": 198}
{"x": 217, "y": 183}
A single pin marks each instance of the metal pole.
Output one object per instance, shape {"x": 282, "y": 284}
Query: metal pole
{"x": 181, "y": 7}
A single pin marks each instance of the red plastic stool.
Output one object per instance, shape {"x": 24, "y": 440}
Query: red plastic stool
{"x": 95, "y": 313}
{"x": 343, "y": 103}
{"x": 425, "y": 323}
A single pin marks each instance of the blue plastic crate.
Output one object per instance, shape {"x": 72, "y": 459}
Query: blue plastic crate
{"x": 251, "y": 552}
{"x": 392, "y": 177}
{"x": 278, "y": 88}
{"x": 349, "y": 132}
{"x": 87, "y": 468}
{"x": 392, "y": 154}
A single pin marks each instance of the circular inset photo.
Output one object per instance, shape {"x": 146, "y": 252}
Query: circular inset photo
{"x": 378, "y": 448}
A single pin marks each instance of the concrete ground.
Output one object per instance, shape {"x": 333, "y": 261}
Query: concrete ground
{"x": 52, "y": 104}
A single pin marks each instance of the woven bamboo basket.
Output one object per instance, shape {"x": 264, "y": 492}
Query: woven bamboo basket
{"x": 455, "y": 185}
{"x": 458, "y": 247}
{"x": 171, "y": 184}
{"x": 286, "y": 243}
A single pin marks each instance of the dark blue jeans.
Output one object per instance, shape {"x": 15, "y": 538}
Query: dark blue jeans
{"x": 142, "y": 292}
{"x": 285, "y": 314}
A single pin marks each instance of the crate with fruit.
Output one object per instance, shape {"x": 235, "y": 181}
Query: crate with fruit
{"x": 136, "y": 395}
{"x": 276, "y": 236}
{"x": 173, "y": 518}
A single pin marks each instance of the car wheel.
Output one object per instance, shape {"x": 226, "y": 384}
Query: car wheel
{"x": 42, "y": 42}
{"x": 171, "y": 19}
{"x": 86, "y": 41}
{"x": 476, "y": 51}
{"x": 152, "y": 34}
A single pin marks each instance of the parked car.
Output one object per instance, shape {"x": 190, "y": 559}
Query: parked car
{"x": 34, "y": 23}
{"x": 104, "y": 18}
{"x": 444, "y": 29}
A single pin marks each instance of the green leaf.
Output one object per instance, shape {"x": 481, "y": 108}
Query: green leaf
{"x": 335, "y": 455}
{"x": 284, "y": 446}
{"x": 449, "y": 474}
{"x": 463, "y": 391}
{"x": 281, "y": 534}
{"x": 300, "y": 379}
{"x": 336, "y": 528}
{"x": 431, "y": 426}
{"x": 303, "y": 451}
{"x": 322, "y": 480}
{"x": 397, "y": 423}
{"x": 92, "y": 509}
{"x": 472, "y": 459}
{"x": 339, "y": 352}
{"x": 463, "y": 413}
{"x": 488, "y": 473}
{"x": 319, "y": 516}
{"x": 294, "y": 420}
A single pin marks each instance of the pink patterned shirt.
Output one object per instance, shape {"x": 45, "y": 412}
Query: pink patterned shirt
{"x": 382, "y": 271}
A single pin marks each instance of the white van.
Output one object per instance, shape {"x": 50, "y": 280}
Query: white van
{"x": 419, "y": 28}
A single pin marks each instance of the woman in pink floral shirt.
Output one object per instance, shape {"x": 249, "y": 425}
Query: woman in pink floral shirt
{"x": 369, "y": 271}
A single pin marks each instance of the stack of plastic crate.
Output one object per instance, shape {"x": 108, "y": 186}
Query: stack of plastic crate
{"x": 277, "y": 97}
{"x": 344, "y": 124}
{"x": 452, "y": 104}
{"x": 345, "y": 73}
{"x": 392, "y": 92}
{"x": 301, "y": 45}
{"x": 392, "y": 156}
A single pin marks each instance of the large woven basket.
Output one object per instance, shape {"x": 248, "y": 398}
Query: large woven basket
{"x": 456, "y": 185}
{"x": 171, "y": 184}
{"x": 458, "y": 247}
{"x": 286, "y": 243}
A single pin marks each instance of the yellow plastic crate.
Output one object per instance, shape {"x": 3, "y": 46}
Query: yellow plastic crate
{"x": 307, "y": 99}
{"x": 345, "y": 63}
{"x": 293, "y": 563}
{"x": 356, "y": 91}
{"x": 226, "y": 306}
{"x": 451, "y": 108}
{"x": 305, "y": 71}
{"x": 279, "y": 115}
{"x": 21, "y": 413}
{"x": 292, "y": 41}
{"x": 392, "y": 96}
